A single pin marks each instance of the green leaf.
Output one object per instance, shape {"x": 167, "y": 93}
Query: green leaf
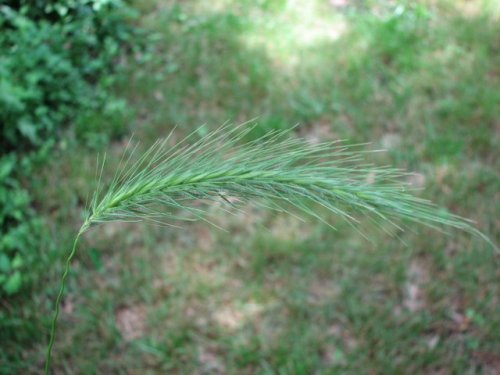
{"x": 28, "y": 130}
{"x": 13, "y": 283}
{"x": 4, "y": 263}
{"x": 6, "y": 166}
{"x": 17, "y": 262}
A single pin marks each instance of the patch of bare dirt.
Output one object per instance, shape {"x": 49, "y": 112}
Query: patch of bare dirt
{"x": 68, "y": 306}
{"x": 339, "y": 331}
{"x": 205, "y": 238}
{"x": 418, "y": 276}
{"x": 131, "y": 321}
{"x": 323, "y": 292}
{"x": 318, "y": 132}
{"x": 417, "y": 180}
{"x": 233, "y": 316}
{"x": 390, "y": 141}
{"x": 211, "y": 361}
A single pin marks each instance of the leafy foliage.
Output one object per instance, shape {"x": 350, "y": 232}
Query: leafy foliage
{"x": 56, "y": 70}
{"x": 51, "y": 67}
{"x": 20, "y": 230}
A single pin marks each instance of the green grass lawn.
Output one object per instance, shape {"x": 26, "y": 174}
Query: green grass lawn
{"x": 272, "y": 294}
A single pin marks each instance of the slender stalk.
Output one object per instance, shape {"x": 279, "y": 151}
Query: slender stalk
{"x": 59, "y": 297}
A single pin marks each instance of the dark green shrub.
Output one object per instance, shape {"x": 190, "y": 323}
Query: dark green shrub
{"x": 57, "y": 67}
{"x": 20, "y": 230}
{"x": 54, "y": 57}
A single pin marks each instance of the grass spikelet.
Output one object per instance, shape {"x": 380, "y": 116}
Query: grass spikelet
{"x": 278, "y": 170}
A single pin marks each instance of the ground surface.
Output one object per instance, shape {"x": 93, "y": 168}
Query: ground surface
{"x": 273, "y": 295}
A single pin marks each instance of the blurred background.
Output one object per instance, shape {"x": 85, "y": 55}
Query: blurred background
{"x": 271, "y": 294}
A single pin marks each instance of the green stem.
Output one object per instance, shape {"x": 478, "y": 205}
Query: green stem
{"x": 59, "y": 298}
